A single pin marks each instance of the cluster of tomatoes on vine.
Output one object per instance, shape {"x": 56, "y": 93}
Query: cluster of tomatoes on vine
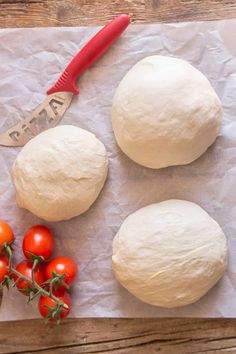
{"x": 36, "y": 276}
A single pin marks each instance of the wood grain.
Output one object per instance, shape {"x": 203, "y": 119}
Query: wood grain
{"x": 121, "y": 336}
{"x": 30, "y": 13}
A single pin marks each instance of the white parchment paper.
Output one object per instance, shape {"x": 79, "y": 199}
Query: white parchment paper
{"x": 30, "y": 61}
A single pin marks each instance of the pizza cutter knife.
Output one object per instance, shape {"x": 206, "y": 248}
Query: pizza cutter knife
{"x": 49, "y": 113}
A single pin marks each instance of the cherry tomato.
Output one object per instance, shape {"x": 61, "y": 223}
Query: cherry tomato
{"x": 4, "y": 263}
{"x": 45, "y": 302}
{"x": 25, "y": 268}
{"x": 6, "y": 234}
{"x": 62, "y": 265}
{"x": 38, "y": 242}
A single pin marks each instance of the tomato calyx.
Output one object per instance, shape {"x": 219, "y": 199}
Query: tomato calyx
{"x": 8, "y": 282}
{"x": 29, "y": 291}
{"x": 53, "y": 313}
{"x": 56, "y": 281}
{"x": 33, "y": 257}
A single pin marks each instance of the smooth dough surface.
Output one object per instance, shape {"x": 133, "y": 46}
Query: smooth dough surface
{"x": 169, "y": 254}
{"x": 165, "y": 112}
{"x": 60, "y": 173}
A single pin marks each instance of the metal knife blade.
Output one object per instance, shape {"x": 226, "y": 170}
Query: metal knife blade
{"x": 47, "y": 115}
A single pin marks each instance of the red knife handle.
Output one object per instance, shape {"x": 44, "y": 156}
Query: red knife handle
{"x": 89, "y": 54}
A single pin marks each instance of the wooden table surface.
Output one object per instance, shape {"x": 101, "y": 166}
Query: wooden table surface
{"x": 121, "y": 336}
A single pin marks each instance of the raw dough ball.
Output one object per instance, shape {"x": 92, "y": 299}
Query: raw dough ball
{"x": 169, "y": 254}
{"x": 60, "y": 173}
{"x": 165, "y": 112}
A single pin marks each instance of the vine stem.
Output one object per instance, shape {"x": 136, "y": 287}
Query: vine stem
{"x": 8, "y": 249}
{"x": 39, "y": 288}
{"x": 51, "y": 285}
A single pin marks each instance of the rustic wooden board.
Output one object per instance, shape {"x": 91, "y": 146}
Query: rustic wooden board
{"x": 30, "y": 13}
{"x": 121, "y": 336}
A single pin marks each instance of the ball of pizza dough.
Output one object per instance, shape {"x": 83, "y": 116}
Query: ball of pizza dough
{"x": 165, "y": 112}
{"x": 60, "y": 173}
{"x": 169, "y": 254}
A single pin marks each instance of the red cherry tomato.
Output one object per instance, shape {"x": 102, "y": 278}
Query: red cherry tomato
{"x": 25, "y": 268}
{"x": 62, "y": 265}
{"x": 6, "y": 234}
{"x": 45, "y": 302}
{"x": 4, "y": 263}
{"x": 38, "y": 242}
